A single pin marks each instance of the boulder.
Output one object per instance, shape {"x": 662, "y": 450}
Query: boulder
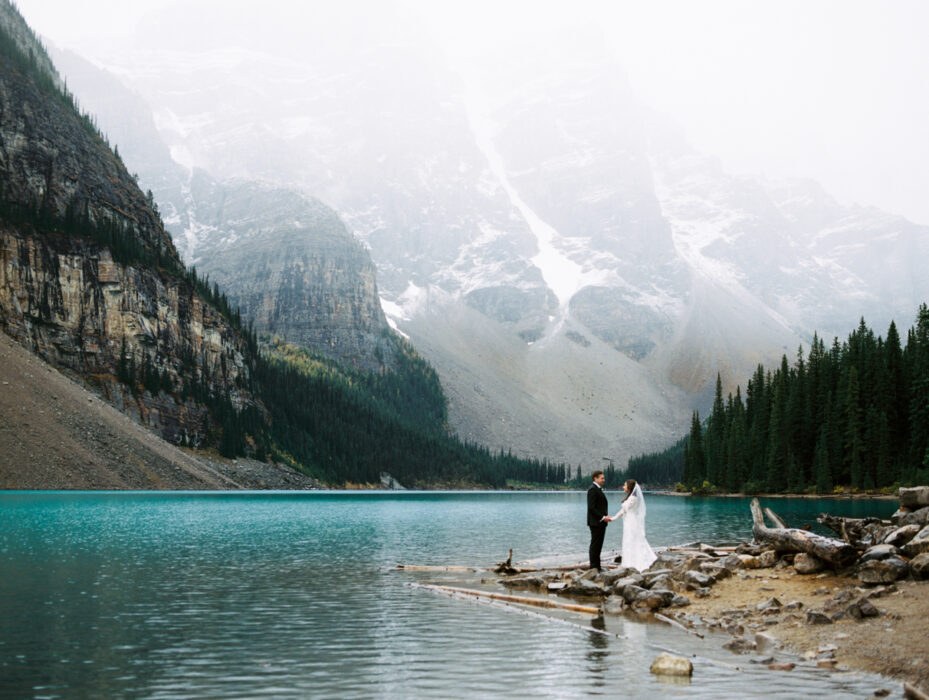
{"x": 867, "y": 609}
{"x": 770, "y": 604}
{"x": 667, "y": 596}
{"x": 652, "y": 600}
{"x": 620, "y": 585}
{"x": 816, "y": 617}
{"x": 663, "y": 581}
{"x": 839, "y": 600}
{"x": 881, "y": 551}
{"x": 901, "y": 535}
{"x": 853, "y": 611}
{"x": 807, "y": 564}
{"x": 613, "y": 575}
{"x": 651, "y": 576}
{"x": 915, "y": 497}
{"x": 698, "y": 579}
{"x": 716, "y": 570}
{"x": 767, "y": 559}
{"x": 556, "y": 586}
{"x": 680, "y": 601}
{"x": 733, "y": 562}
{"x": 631, "y": 592}
{"x": 919, "y": 565}
{"x": 765, "y": 642}
{"x": 739, "y": 645}
{"x": 696, "y": 560}
{"x": 669, "y": 665}
{"x": 919, "y": 543}
{"x": 886, "y": 570}
{"x": 524, "y": 582}
{"x": 585, "y": 587}
{"x": 589, "y": 575}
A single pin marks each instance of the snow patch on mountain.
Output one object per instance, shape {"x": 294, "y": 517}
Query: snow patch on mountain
{"x": 562, "y": 275}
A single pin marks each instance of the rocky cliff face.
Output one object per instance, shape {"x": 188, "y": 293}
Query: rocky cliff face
{"x": 63, "y": 294}
{"x": 284, "y": 258}
{"x": 289, "y": 264}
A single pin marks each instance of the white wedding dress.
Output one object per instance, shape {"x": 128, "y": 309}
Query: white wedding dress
{"x": 636, "y": 551}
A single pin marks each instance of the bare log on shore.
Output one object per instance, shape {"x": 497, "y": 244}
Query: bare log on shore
{"x": 419, "y": 567}
{"x": 852, "y": 530}
{"x": 523, "y": 600}
{"x": 677, "y": 625}
{"x": 836, "y": 553}
{"x": 775, "y": 518}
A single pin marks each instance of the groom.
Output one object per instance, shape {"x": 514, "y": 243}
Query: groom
{"x": 596, "y": 512}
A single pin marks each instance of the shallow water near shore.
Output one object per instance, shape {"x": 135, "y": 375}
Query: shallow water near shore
{"x": 293, "y": 594}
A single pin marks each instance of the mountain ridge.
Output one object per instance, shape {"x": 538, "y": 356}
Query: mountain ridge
{"x": 690, "y": 272}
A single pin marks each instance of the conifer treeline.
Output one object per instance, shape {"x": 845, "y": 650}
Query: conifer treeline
{"x": 855, "y": 415}
{"x": 342, "y": 425}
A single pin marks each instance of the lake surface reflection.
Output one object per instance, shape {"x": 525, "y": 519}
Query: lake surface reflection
{"x": 286, "y": 594}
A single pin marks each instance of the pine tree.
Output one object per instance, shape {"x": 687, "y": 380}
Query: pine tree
{"x": 757, "y": 417}
{"x": 715, "y": 439}
{"x": 694, "y": 457}
{"x": 821, "y": 463}
{"x": 737, "y": 452}
{"x": 777, "y": 459}
{"x": 896, "y": 401}
{"x": 853, "y": 430}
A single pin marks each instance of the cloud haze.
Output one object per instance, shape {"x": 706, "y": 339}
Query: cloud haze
{"x": 833, "y": 90}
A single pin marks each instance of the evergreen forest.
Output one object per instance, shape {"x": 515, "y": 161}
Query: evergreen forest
{"x": 853, "y": 416}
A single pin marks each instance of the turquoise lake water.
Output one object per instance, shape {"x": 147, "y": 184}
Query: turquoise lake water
{"x": 296, "y": 594}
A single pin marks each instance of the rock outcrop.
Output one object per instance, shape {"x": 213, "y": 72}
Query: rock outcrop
{"x": 89, "y": 278}
{"x": 293, "y": 269}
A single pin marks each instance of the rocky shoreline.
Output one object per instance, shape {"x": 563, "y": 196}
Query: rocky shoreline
{"x": 869, "y": 615}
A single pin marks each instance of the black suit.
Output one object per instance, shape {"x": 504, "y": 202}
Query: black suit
{"x": 596, "y": 510}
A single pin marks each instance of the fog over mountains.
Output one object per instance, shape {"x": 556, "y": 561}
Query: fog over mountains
{"x": 575, "y": 271}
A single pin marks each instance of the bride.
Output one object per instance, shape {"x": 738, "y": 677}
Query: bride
{"x": 636, "y": 552}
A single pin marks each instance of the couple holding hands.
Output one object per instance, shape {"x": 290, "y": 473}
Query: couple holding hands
{"x": 636, "y": 552}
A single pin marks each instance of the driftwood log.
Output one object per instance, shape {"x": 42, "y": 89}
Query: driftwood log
{"x": 836, "y": 553}
{"x": 775, "y": 518}
{"x": 522, "y": 600}
{"x": 853, "y": 530}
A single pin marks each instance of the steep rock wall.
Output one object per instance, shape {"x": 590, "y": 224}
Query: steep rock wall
{"x": 63, "y": 295}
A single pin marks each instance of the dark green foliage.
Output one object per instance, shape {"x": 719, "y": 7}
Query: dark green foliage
{"x": 27, "y": 63}
{"x": 855, "y": 417}
{"x": 346, "y": 426}
{"x": 661, "y": 469}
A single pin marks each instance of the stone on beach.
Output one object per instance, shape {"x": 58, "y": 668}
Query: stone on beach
{"x": 919, "y": 544}
{"x": 882, "y": 570}
{"x": 807, "y": 564}
{"x": 915, "y": 497}
{"x": 669, "y": 665}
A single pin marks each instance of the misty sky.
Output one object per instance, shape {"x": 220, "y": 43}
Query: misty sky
{"x": 832, "y": 90}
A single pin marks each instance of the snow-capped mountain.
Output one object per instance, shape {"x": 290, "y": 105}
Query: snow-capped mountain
{"x": 577, "y": 274}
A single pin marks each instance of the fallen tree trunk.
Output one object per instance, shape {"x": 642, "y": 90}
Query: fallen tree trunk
{"x": 836, "y": 553}
{"x": 775, "y": 518}
{"x": 523, "y": 600}
{"x": 853, "y": 530}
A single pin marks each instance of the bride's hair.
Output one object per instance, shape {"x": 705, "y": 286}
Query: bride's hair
{"x": 630, "y": 483}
